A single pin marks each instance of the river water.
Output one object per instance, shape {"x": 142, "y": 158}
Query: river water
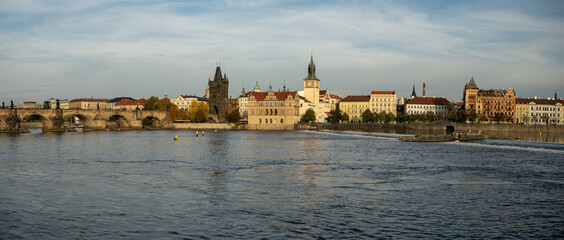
{"x": 276, "y": 185}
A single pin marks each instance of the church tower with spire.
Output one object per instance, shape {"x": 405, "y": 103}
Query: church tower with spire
{"x": 219, "y": 95}
{"x": 311, "y": 86}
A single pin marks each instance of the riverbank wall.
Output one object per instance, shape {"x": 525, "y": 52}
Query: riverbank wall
{"x": 207, "y": 126}
{"x": 547, "y": 133}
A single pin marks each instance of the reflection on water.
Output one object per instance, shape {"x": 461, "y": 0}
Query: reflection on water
{"x": 245, "y": 184}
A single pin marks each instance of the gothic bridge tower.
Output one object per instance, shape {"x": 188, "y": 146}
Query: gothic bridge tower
{"x": 219, "y": 96}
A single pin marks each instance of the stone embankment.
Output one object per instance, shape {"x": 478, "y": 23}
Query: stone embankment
{"x": 443, "y": 137}
{"x": 206, "y": 126}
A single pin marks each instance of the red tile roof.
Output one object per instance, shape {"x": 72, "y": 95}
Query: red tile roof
{"x": 427, "y": 100}
{"x": 383, "y": 92}
{"x": 279, "y": 95}
{"x": 335, "y": 96}
{"x": 90, "y": 100}
{"x": 322, "y": 92}
{"x": 124, "y": 102}
{"x": 358, "y": 98}
{"x": 538, "y": 101}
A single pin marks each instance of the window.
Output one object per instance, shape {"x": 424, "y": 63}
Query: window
{"x": 260, "y": 120}
{"x": 281, "y": 120}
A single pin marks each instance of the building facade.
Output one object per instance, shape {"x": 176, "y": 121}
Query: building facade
{"x": 183, "y": 101}
{"x": 496, "y": 105}
{"x": 273, "y": 110}
{"x": 89, "y": 103}
{"x": 538, "y": 111}
{"x": 354, "y": 106}
{"x": 490, "y": 105}
{"x": 425, "y": 105}
{"x": 219, "y": 102}
{"x": 383, "y": 101}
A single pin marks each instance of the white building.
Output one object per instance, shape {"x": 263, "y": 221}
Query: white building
{"x": 183, "y": 101}
{"x": 541, "y": 111}
{"x": 423, "y": 105}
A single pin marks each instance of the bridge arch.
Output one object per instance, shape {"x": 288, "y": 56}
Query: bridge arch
{"x": 46, "y": 123}
{"x": 86, "y": 121}
{"x": 118, "y": 121}
{"x": 152, "y": 121}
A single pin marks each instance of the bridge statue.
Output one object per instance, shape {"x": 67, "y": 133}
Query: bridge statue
{"x": 58, "y": 104}
{"x": 11, "y": 104}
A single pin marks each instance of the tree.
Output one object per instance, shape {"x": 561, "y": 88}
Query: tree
{"x": 345, "y": 117}
{"x": 234, "y": 116}
{"x": 473, "y": 116}
{"x": 309, "y": 116}
{"x": 335, "y": 116}
{"x": 381, "y": 116}
{"x": 177, "y": 114}
{"x": 462, "y": 116}
{"x": 367, "y": 116}
{"x": 202, "y": 113}
{"x": 192, "y": 110}
{"x": 440, "y": 117}
{"x": 150, "y": 103}
{"x": 390, "y": 117}
{"x": 452, "y": 114}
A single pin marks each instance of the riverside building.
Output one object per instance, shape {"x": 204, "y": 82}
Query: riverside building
{"x": 538, "y": 111}
{"x": 354, "y": 106}
{"x": 425, "y": 105}
{"x": 494, "y": 105}
{"x": 383, "y": 101}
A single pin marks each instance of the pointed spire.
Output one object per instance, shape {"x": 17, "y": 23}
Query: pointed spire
{"x": 284, "y": 88}
{"x": 311, "y": 70}
{"x": 218, "y": 77}
{"x": 472, "y": 84}
{"x": 413, "y": 94}
{"x": 270, "y": 87}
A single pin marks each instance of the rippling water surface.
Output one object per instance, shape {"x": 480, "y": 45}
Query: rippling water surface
{"x": 246, "y": 184}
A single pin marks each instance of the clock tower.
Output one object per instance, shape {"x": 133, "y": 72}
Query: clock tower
{"x": 311, "y": 86}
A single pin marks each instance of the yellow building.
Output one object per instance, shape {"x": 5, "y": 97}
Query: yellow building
{"x": 521, "y": 110}
{"x": 311, "y": 89}
{"x": 354, "y": 106}
{"x": 88, "y": 103}
{"x": 383, "y": 101}
{"x": 273, "y": 110}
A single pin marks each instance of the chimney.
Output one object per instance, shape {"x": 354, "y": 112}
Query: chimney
{"x": 423, "y": 89}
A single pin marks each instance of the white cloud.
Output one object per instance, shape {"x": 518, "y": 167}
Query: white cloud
{"x": 150, "y": 48}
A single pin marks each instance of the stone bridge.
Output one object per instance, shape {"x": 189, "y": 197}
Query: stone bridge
{"x": 52, "y": 120}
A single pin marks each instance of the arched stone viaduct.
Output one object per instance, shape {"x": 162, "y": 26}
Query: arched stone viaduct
{"x": 53, "y": 120}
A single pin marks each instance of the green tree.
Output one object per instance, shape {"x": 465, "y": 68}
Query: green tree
{"x": 390, "y": 117}
{"x": 452, "y": 114}
{"x": 367, "y": 116}
{"x": 462, "y": 116}
{"x": 346, "y": 117}
{"x": 150, "y": 103}
{"x": 473, "y": 116}
{"x": 309, "y": 116}
{"x": 335, "y": 116}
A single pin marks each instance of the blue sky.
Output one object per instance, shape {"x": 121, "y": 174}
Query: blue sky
{"x": 105, "y": 49}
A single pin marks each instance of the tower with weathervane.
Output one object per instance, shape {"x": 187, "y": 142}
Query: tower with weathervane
{"x": 311, "y": 87}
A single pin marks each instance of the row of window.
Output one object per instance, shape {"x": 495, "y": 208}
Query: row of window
{"x": 383, "y": 99}
{"x": 272, "y": 121}
{"x": 383, "y": 104}
{"x": 427, "y": 106}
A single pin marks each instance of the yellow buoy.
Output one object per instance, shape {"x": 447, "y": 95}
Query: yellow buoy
{"x": 216, "y": 131}
{"x": 196, "y": 133}
{"x": 203, "y": 133}
{"x": 175, "y": 137}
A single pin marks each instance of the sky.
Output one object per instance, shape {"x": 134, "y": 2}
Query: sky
{"x": 106, "y": 49}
